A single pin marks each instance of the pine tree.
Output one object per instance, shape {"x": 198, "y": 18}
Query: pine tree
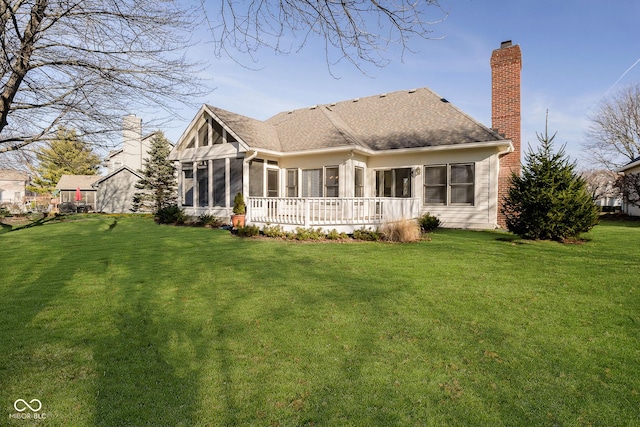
{"x": 64, "y": 155}
{"x": 158, "y": 182}
{"x": 549, "y": 200}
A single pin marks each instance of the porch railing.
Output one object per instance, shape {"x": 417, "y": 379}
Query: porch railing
{"x": 326, "y": 211}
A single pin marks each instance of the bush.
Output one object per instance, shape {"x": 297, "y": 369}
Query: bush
{"x": 366, "y": 234}
{"x": 208, "y": 220}
{"x": 273, "y": 231}
{"x": 334, "y": 235}
{"x": 428, "y": 222}
{"x": 171, "y": 214}
{"x": 248, "y": 231}
{"x": 405, "y": 230}
{"x": 309, "y": 233}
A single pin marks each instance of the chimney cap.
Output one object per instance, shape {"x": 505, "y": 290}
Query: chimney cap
{"x": 506, "y": 43}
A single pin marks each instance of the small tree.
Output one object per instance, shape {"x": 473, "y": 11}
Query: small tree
{"x": 66, "y": 154}
{"x": 549, "y": 200}
{"x": 158, "y": 182}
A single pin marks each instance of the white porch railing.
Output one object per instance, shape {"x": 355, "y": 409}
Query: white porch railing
{"x": 330, "y": 211}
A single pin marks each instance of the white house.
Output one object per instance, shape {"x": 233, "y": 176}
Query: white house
{"x": 360, "y": 162}
{"x": 13, "y": 188}
{"x": 630, "y": 168}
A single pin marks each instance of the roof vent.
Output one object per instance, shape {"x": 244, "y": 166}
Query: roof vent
{"x": 383, "y": 95}
{"x": 413, "y": 91}
{"x": 356, "y": 100}
{"x": 333, "y": 104}
{"x": 444, "y": 100}
{"x": 313, "y": 107}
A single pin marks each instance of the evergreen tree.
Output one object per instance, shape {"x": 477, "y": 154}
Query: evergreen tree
{"x": 64, "y": 155}
{"x": 549, "y": 200}
{"x": 158, "y": 182}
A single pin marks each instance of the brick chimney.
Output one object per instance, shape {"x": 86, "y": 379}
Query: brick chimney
{"x": 506, "y": 64}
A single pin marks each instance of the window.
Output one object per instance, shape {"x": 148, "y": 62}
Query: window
{"x": 393, "y": 183}
{"x": 187, "y": 184}
{"x": 272, "y": 183}
{"x": 235, "y": 176}
{"x": 203, "y": 135}
{"x": 256, "y": 178}
{"x": 312, "y": 183}
{"x": 331, "y": 181}
{"x": 292, "y": 182}
{"x": 358, "y": 190}
{"x": 203, "y": 184}
{"x": 217, "y": 133}
{"x": 452, "y": 184}
{"x": 219, "y": 183}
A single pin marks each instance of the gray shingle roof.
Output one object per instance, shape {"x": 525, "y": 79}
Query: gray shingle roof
{"x": 71, "y": 182}
{"x": 402, "y": 119}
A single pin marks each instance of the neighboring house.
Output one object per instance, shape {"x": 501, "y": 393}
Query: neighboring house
{"x": 602, "y": 187}
{"x": 69, "y": 185}
{"x": 13, "y": 188}
{"x": 115, "y": 191}
{"x": 632, "y": 167}
{"x": 358, "y": 163}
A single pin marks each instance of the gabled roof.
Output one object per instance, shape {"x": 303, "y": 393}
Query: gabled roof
{"x": 100, "y": 180}
{"x": 71, "y": 182}
{"x": 399, "y": 120}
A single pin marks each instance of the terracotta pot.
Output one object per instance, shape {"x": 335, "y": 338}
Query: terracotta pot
{"x": 237, "y": 220}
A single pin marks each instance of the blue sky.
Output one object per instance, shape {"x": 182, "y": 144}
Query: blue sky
{"x": 575, "y": 53}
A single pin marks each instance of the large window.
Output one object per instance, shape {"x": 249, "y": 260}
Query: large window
{"x": 317, "y": 182}
{"x": 256, "y": 178}
{"x": 393, "y": 183}
{"x": 219, "y": 183}
{"x": 187, "y": 184}
{"x": 452, "y": 184}
{"x": 203, "y": 184}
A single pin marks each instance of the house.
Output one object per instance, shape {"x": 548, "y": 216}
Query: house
{"x": 360, "y": 162}
{"x": 13, "y": 189}
{"x": 77, "y": 189}
{"x": 631, "y": 168}
{"x": 115, "y": 191}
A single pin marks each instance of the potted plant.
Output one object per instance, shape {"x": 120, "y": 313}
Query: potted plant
{"x": 239, "y": 210}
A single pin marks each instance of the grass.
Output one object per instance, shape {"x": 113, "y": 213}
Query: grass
{"x": 118, "y": 321}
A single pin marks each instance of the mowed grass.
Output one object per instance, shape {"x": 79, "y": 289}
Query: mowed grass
{"x": 119, "y": 321}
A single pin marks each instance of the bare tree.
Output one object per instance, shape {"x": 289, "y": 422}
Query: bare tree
{"x": 629, "y": 185}
{"x": 83, "y": 63}
{"x": 613, "y": 138}
{"x": 358, "y": 31}
{"x": 601, "y": 184}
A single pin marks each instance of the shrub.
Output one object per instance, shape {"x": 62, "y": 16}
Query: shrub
{"x": 273, "y": 231}
{"x": 209, "y": 220}
{"x": 248, "y": 231}
{"x": 239, "y": 208}
{"x": 334, "y": 235}
{"x": 309, "y": 233}
{"x": 428, "y": 222}
{"x": 405, "y": 230}
{"x": 171, "y": 214}
{"x": 366, "y": 234}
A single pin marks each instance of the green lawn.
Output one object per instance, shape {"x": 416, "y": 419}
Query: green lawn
{"x": 116, "y": 322}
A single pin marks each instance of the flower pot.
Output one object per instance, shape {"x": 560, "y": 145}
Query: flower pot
{"x": 237, "y": 220}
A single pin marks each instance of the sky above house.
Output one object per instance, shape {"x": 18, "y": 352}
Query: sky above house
{"x": 575, "y": 53}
